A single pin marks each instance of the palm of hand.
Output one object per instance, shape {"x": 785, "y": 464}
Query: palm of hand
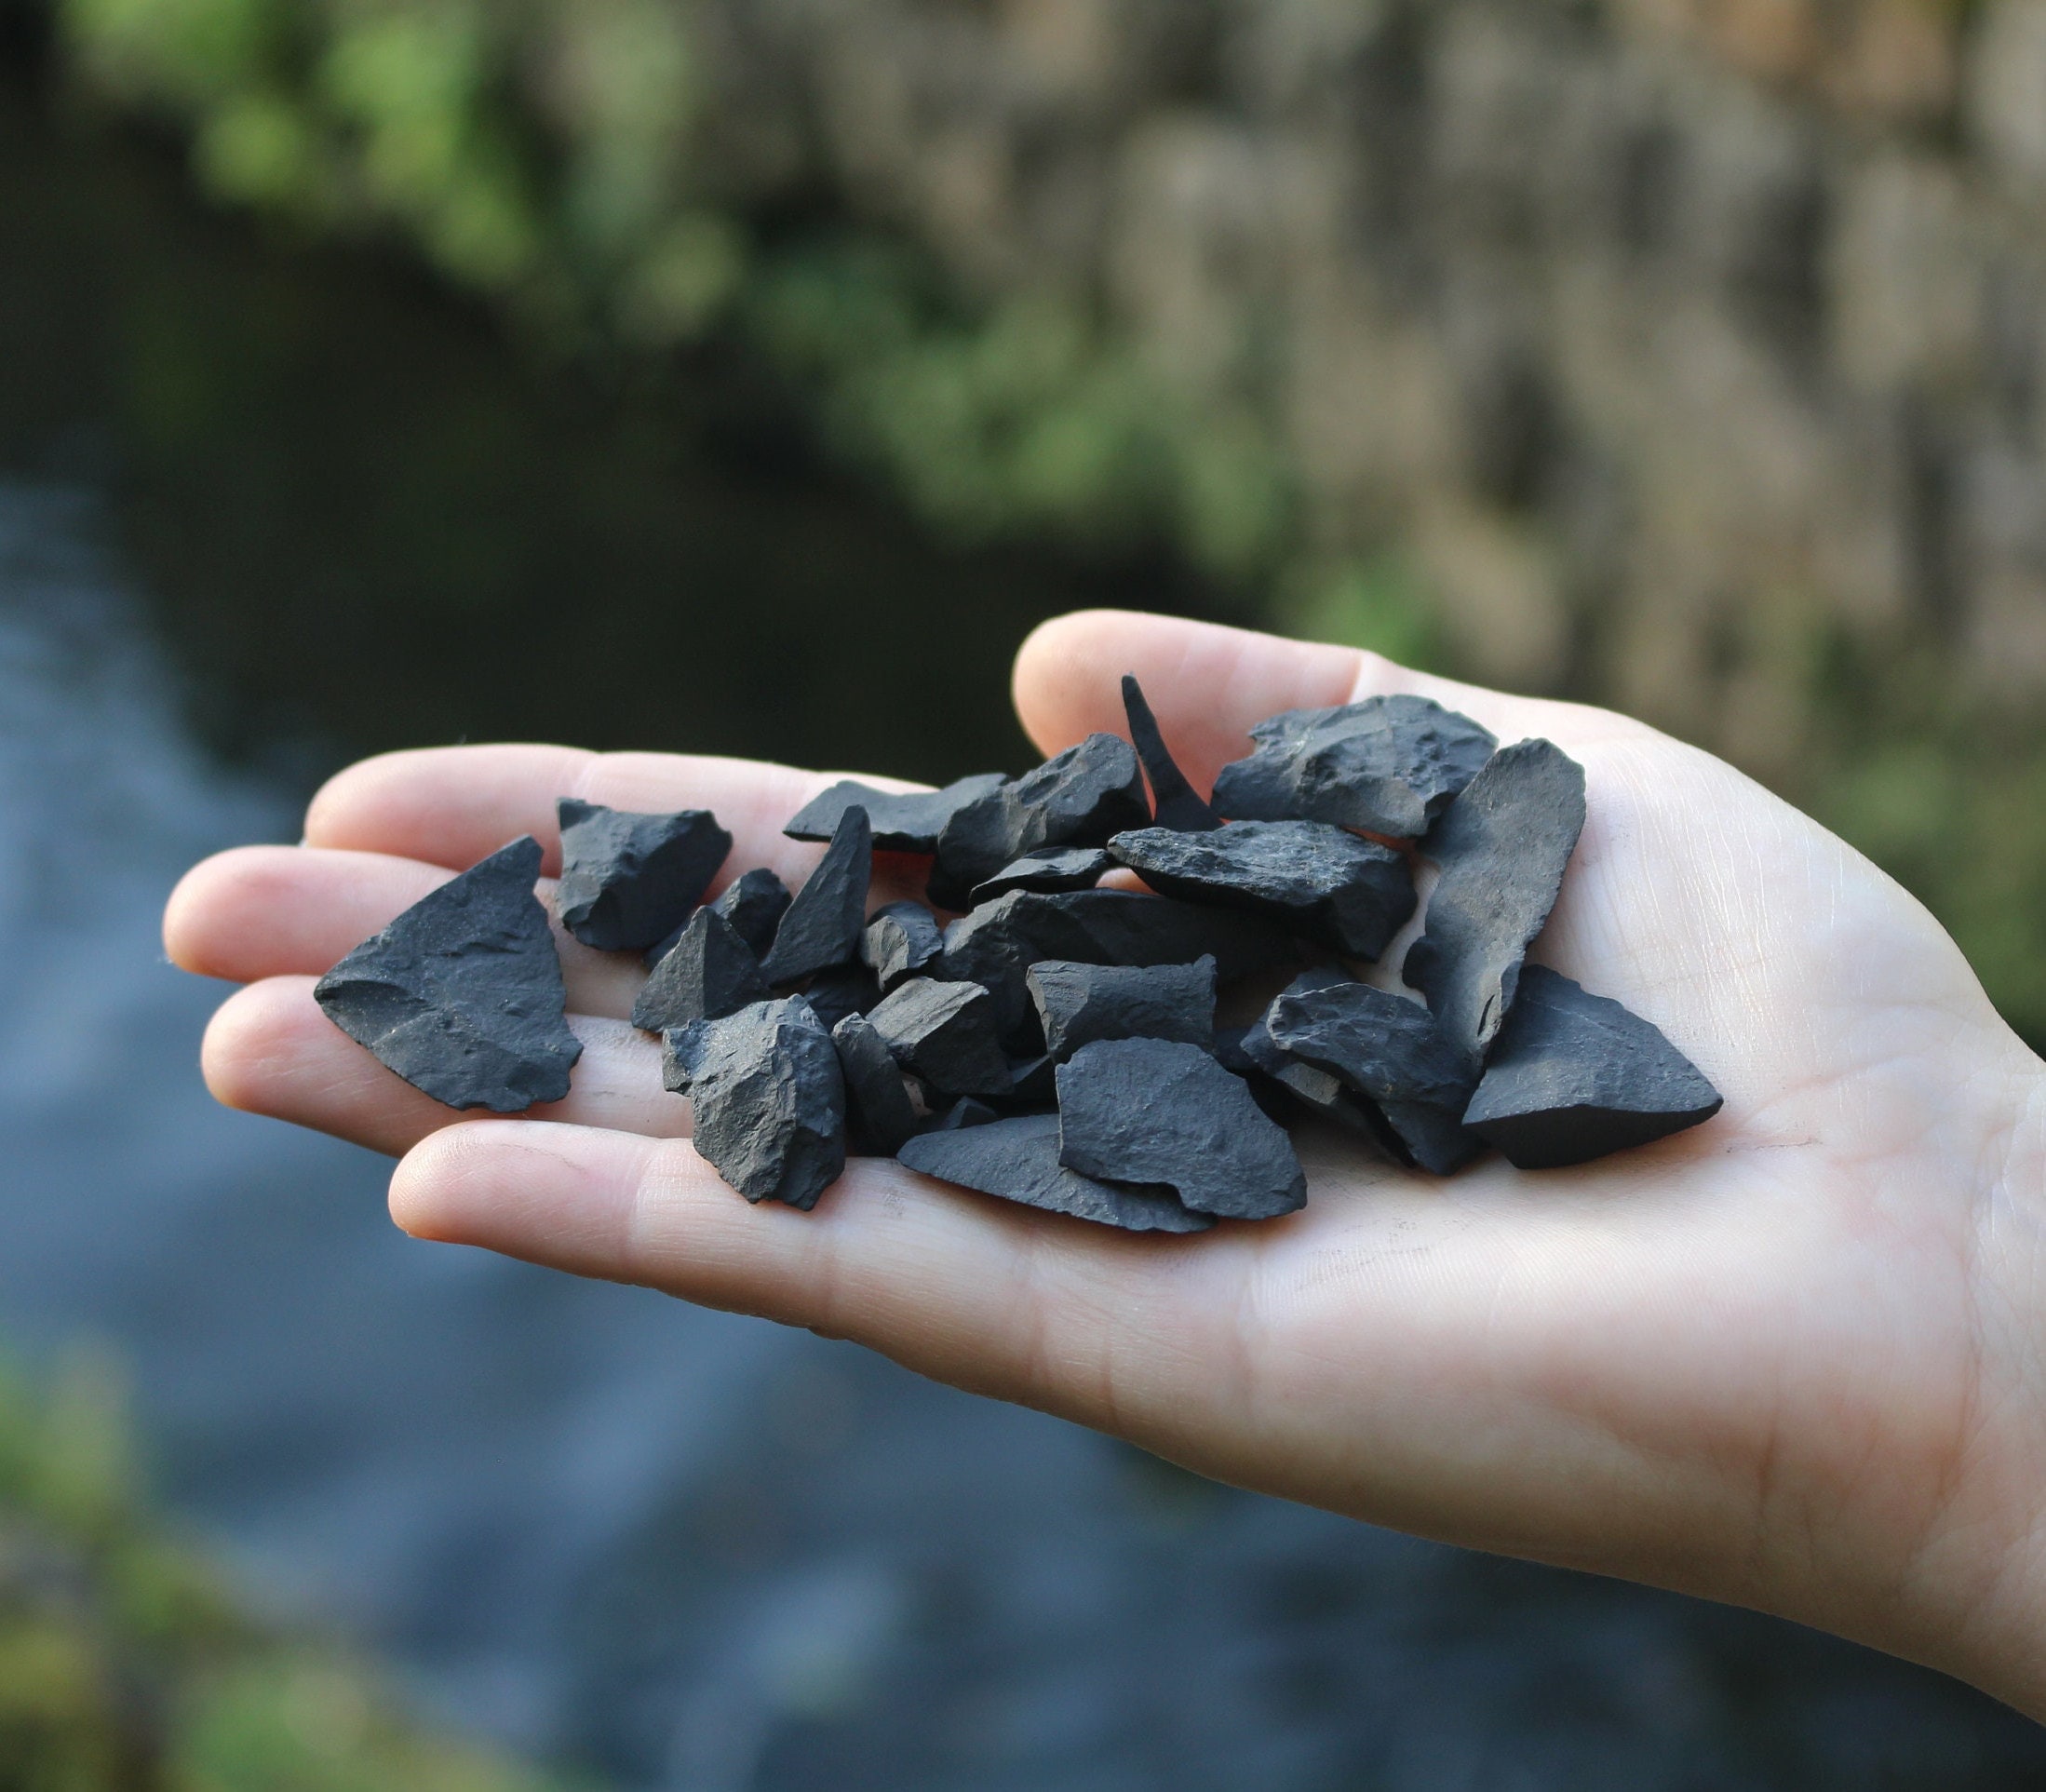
{"x": 1776, "y": 1359}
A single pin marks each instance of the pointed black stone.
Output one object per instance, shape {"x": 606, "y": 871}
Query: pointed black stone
{"x": 902, "y": 821}
{"x": 901, "y": 940}
{"x": 754, "y": 904}
{"x": 629, "y": 880}
{"x": 1389, "y": 765}
{"x": 1502, "y": 846}
{"x": 710, "y": 971}
{"x": 462, "y": 994}
{"x": 767, "y": 1099}
{"x": 822, "y": 928}
{"x": 1575, "y": 1076}
{"x": 1018, "y": 1160}
{"x": 946, "y": 1035}
{"x": 1079, "y": 1004}
{"x": 1079, "y": 797}
{"x": 1159, "y": 1112}
{"x": 886, "y": 1117}
{"x": 965, "y": 1112}
{"x": 1347, "y": 894}
{"x": 1076, "y": 867}
{"x": 848, "y": 989}
{"x": 1174, "y": 803}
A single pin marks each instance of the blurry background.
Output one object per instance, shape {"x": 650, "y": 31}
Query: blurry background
{"x": 749, "y": 375}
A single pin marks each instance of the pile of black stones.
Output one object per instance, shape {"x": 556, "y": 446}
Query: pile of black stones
{"x": 1129, "y": 1057}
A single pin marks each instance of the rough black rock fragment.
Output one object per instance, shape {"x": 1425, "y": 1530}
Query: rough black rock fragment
{"x": 900, "y": 941}
{"x": 1079, "y": 797}
{"x": 1174, "y": 803}
{"x": 1389, "y": 765}
{"x": 1347, "y": 893}
{"x": 1321, "y": 1092}
{"x": 708, "y": 973}
{"x": 1502, "y": 846}
{"x": 768, "y": 1099}
{"x": 1574, "y": 1076}
{"x": 965, "y": 1112}
{"x": 822, "y": 928}
{"x": 1076, "y": 867}
{"x": 1384, "y": 1045}
{"x": 850, "y": 988}
{"x": 1154, "y": 1110}
{"x": 462, "y": 994}
{"x": 906, "y": 821}
{"x": 945, "y": 1033}
{"x": 1018, "y": 1160}
{"x": 629, "y": 880}
{"x": 886, "y": 1117}
{"x": 1079, "y": 1004}
{"x": 754, "y": 904}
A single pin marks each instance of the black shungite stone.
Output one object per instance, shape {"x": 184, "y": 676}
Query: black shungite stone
{"x": 1079, "y": 797}
{"x": 1321, "y": 1092}
{"x": 708, "y": 973}
{"x": 907, "y": 821}
{"x": 768, "y": 1099}
{"x": 1160, "y": 1111}
{"x": 1347, "y": 893}
{"x": 1018, "y": 1160}
{"x": 1079, "y": 1004}
{"x": 886, "y": 1116}
{"x": 901, "y": 940}
{"x": 946, "y": 1035}
{"x": 462, "y": 994}
{"x": 850, "y": 988}
{"x": 629, "y": 880}
{"x": 1502, "y": 846}
{"x": 1574, "y": 1076}
{"x": 754, "y": 904}
{"x": 1389, "y": 765}
{"x": 1174, "y": 802}
{"x": 827, "y": 917}
{"x": 966, "y": 1111}
{"x": 1076, "y": 868}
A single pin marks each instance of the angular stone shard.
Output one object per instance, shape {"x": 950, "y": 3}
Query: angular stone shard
{"x": 825, "y": 921}
{"x": 945, "y": 1033}
{"x": 629, "y": 880}
{"x": 710, "y": 973}
{"x": 1389, "y": 765}
{"x": 1079, "y": 1004}
{"x": 1076, "y": 868}
{"x": 1502, "y": 846}
{"x": 1079, "y": 797}
{"x": 901, "y": 940}
{"x": 1321, "y": 1092}
{"x": 966, "y": 1111}
{"x": 1154, "y": 1110}
{"x": 851, "y": 989}
{"x": 462, "y": 994}
{"x": 904, "y": 821}
{"x": 1575, "y": 1076}
{"x": 887, "y": 1118}
{"x": 1174, "y": 803}
{"x": 768, "y": 1099}
{"x": 1018, "y": 1160}
{"x": 1350, "y": 895}
{"x": 754, "y": 904}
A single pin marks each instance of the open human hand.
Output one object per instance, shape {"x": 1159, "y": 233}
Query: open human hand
{"x": 1795, "y": 1358}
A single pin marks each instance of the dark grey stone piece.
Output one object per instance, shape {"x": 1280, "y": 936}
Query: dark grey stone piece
{"x": 768, "y": 1099}
{"x": 1174, "y": 803}
{"x": 901, "y": 940}
{"x": 1076, "y": 867}
{"x": 1503, "y": 846}
{"x": 754, "y": 904}
{"x": 827, "y": 917}
{"x": 904, "y": 821}
{"x": 1018, "y": 1160}
{"x": 710, "y": 971}
{"x": 1347, "y": 894}
{"x": 1389, "y": 765}
{"x": 1575, "y": 1076}
{"x": 1321, "y": 1092}
{"x": 462, "y": 994}
{"x": 850, "y": 988}
{"x": 965, "y": 1112}
{"x": 1160, "y": 1111}
{"x": 1079, "y": 1004}
{"x": 1079, "y": 798}
{"x": 946, "y": 1035}
{"x": 886, "y": 1117}
{"x": 629, "y": 880}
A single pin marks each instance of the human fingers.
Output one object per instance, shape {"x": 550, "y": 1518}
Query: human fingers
{"x": 271, "y": 1051}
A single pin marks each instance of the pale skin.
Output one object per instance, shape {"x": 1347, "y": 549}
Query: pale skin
{"x": 1795, "y": 1359}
